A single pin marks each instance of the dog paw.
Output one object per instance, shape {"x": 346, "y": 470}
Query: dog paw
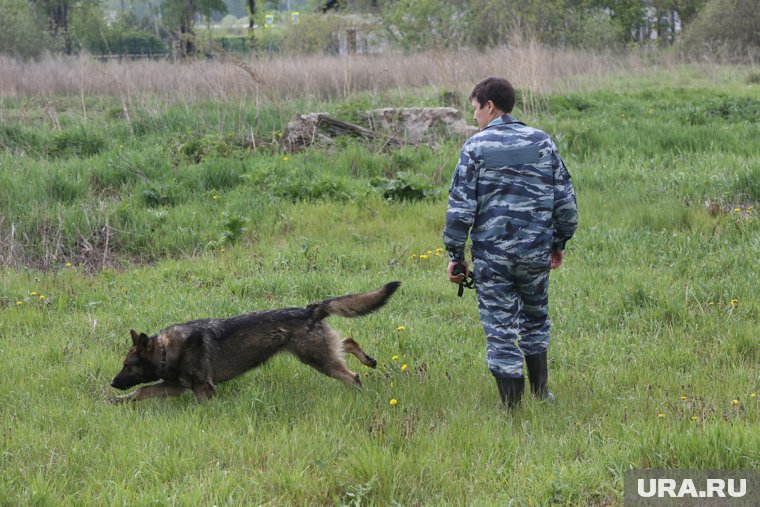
{"x": 118, "y": 400}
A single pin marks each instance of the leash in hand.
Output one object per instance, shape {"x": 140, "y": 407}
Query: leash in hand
{"x": 469, "y": 280}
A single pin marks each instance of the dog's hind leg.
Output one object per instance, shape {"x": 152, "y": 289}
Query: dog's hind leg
{"x": 160, "y": 390}
{"x": 350, "y": 346}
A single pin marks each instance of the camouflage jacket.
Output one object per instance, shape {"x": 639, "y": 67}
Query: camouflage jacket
{"x": 512, "y": 194}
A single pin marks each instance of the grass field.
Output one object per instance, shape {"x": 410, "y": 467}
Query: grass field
{"x": 115, "y": 218}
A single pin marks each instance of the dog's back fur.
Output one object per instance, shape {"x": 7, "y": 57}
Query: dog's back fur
{"x": 201, "y": 353}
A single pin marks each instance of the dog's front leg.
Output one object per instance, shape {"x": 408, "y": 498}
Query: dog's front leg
{"x": 204, "y": 391}
{"x": 160, "y": 390}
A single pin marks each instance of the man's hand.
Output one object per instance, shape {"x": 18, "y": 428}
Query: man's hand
{"x": 462, "y": 267}
{"x": 557, "y": 257}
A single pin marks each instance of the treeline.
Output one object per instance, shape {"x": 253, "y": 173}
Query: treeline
{"x": 30, "y": 28}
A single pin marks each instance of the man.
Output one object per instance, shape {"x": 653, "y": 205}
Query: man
{"x": 513, "y": 196}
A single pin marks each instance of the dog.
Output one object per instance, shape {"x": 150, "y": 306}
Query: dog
{"x": 200, "y": 354}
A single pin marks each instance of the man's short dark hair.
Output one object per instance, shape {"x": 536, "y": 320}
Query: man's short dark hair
{"x": 497, "y": 90}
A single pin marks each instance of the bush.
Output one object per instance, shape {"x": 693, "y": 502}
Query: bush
{"x": 595, "y": 30}
{"x": 136, "y": 43}
{"x": 406, "y": 186}
{"x": 19, "y": 139}
{"x": 20, "y": 33}
{"x": 313, "y": 34}
{"x": 133, "y": 42}
{"x": 724, "y": 26}
{"x": 77, "y": 143}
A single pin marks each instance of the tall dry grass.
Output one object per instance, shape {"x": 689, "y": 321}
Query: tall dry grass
{"x": 531, "y": 67}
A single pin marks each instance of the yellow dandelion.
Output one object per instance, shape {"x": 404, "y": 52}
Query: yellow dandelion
{"x": 737, "y": 210}
{"x": 414, "y": 257}
{"x": 711, "y": 302}
{"x": 393, "y": 402}
{"x": 404, "y": 367}
{"x": 660, "y": 415}
{"x": 393, "y": 385}
{"x": 438, "y": 250}
{"x": 401, "y": 328}
{"x": 19, "y": 303}
{"x": 734, "y": 402}
{"x": 429, "y": 252}
{"x": 222, "y": 250}
{"x": 424, "y": 257}
{"x": 32, "y": 293}
{"x": 68, "y": 264}
{"x": 285, "y": 158}
{"x": 753, "y": 395}
{"x": 683, "y": 397}
{"x": 734, "y": 302}
{"x": 695, "y": 418}
{"x": 394, "y": 358}
{"x": 215, "y": 197}
{"x": 42, "y": 297}
{"x": 438, "y": 254}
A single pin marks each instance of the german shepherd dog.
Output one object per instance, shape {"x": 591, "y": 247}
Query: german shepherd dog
{"x": 200, "y": 354}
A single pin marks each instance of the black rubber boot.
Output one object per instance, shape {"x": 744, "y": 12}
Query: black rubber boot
{"x": 538, "y": 375}
{"x": 510, "y": 390}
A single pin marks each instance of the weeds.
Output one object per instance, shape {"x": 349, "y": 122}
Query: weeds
{"x": 654, "y": 312}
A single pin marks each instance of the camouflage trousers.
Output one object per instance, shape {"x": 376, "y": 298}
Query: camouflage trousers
{"x": 513, "y": 301}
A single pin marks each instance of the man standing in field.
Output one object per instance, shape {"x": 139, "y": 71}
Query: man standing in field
{"x": 513, "y": 196}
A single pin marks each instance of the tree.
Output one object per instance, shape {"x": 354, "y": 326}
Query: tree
{"x": 20, "y": 33}
{"x": 730, "y": 26}
{"x": 423, "y": 24}
{"x": 61, "y": 13}
{"x": 57, "y": 12}
{"x": 628, "y": 14}
{"x": 687, "y": 10}
{"x": 180, "y": 17}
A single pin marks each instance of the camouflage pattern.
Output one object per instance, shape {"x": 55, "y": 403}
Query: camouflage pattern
{"x": 512, "y": 195}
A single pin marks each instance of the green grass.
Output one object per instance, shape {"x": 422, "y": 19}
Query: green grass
{"x": 655, "y": 313}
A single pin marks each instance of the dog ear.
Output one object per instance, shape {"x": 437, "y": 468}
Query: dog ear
{"x": 135, "y": 337}
{"x": 144, "y": 343}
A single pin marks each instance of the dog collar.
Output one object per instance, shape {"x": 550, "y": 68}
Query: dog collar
{"x": 163, "y": 360}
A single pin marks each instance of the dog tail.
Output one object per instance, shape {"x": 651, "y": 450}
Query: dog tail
{"x": 354, "y": 305}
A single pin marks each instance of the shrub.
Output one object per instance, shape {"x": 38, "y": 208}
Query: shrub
{"x": 77, "y": 143}
{"x": 406, "y": 186}
{"x": 724, "y": 26}
{"x": 132, "y": 42}
{"x": 313, "y": 34}
{"x": 20, "y": 33}
{"x": 748, "y": 185}
{"x": 62, "y": 189}
{"x": 18, "y": 139}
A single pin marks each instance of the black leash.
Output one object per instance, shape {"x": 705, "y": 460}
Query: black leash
{"x": 469, "y": 279}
